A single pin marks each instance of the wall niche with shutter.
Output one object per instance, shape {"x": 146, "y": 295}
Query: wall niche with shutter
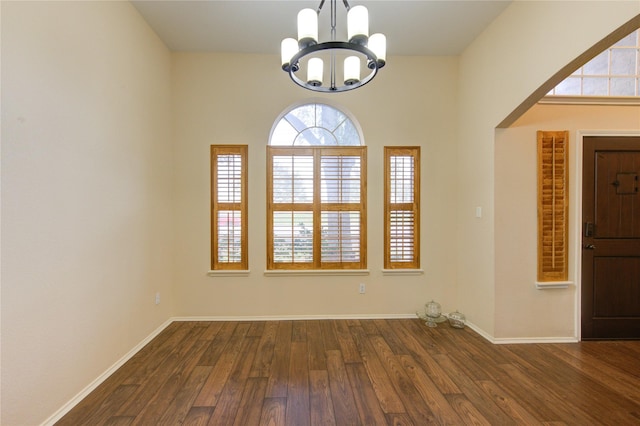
{"x": 553, "y": 205}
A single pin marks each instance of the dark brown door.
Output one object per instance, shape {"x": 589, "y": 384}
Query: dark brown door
{"x": 611, "y": 238}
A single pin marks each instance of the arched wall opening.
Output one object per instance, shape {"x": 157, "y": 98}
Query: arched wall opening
{"x": 522, "y": 310}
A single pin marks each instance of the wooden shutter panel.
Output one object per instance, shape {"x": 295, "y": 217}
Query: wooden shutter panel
{"x": 553, "y": 205}
{"x": 402, "y": 207}
{"x": 229, "y": 207}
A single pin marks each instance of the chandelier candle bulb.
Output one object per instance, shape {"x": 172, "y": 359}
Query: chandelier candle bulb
{"x": 358, "y": 25}
{"x": 314, "y": 71}
{"x": 351, "y": 70}
{"x": 307, "y": 28}
{"x": 378, "y": 45}
{"x": 288, "y": 48}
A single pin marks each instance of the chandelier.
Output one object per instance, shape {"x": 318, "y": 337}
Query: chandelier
{"x": 362, "y": 56}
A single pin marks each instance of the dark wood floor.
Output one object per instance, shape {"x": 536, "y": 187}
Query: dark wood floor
{"x": 363, "y": 372}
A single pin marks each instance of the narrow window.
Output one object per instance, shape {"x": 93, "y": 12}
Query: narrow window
{"x": 402, "y": 207}
{"x": 553, "y": 206}
{"x": 229, "y": 207}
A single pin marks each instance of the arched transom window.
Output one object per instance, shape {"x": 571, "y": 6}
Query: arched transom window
{"x": 315, "y": 124}
{"x": 316, "y": 191}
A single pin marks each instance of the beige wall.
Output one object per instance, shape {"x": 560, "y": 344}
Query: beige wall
{"x": 221, "y": 99}
{"x": 510, "y": 60}
{"x": 522, "y": 311}
{"x": 105, "y": 183}
{"x": 86, "y": 197}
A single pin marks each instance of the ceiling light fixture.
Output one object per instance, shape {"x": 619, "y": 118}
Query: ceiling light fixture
{"x": 360, "y": 53}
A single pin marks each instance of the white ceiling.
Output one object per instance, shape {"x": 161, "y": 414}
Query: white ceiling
{"x": 412, "y": 27}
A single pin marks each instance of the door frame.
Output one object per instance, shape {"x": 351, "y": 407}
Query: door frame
{"x": 578, "y": 157}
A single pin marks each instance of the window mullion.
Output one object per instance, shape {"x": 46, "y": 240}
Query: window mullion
{"x": 317, "y": 208}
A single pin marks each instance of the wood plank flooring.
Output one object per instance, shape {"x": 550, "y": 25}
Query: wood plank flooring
{"x": 363, "y": 372}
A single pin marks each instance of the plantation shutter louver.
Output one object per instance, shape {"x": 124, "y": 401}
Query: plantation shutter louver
{"x": 553, "y": 205}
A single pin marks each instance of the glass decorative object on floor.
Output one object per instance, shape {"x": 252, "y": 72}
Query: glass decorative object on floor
{"x": 432, "y": 314}
{"x": 457, "y": 319}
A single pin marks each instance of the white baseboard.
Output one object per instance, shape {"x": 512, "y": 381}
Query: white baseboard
{"x": 520, "y": 340}
{"x": 101, "y": 378}
{"x": 530, "y": 340}
{"x": 294, "y": 317}
{"x": 480, "y": 331}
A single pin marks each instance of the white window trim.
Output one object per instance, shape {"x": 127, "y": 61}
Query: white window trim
{"x": 229, "y": 273}
{"x": 402, "y": 272}
{"x": 590, "y": 100}
{"x": 553, "y": 284}
{"x": 315, "y": 272}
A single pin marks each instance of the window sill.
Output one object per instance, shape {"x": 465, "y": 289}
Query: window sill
{"x": 589, "y": 100}
{"x": 229, "y": 273}
{"x": 316, "y": 272}
{"x": 403, "y": 272}
{"x": 553, "y": 284}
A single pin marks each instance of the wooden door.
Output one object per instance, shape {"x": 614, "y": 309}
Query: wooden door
{"x": 611, "y": 238}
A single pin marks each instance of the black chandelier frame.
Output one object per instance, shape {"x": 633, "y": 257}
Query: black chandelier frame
{"x": 310, "y": 47}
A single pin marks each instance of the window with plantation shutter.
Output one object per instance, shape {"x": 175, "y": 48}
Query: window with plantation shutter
{"x": 402, "y": 207}
{"x": 316, "y": 192}
{"x": 316, "y": 208}
{"x": 229, "y": 207}
{"x": 553, "y": 205}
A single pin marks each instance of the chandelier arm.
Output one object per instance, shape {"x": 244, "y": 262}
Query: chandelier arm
{"x": 346, "y": 5}
{"x": 320, "y": 7}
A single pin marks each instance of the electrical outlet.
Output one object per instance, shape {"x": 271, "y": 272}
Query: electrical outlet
{"x": 157, "y": 298}
{"x": 362, "y": 288}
